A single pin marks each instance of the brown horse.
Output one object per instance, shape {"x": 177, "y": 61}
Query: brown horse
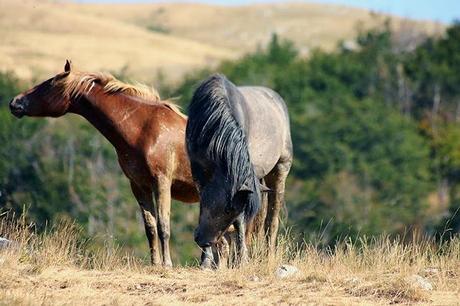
{"x": 147, "y": 133}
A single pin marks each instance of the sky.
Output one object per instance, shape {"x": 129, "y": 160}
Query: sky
{"x": 444, "y": 11}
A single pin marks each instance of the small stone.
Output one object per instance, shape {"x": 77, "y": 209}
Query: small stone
{"x": 4, "y": 243}
{"x": 421, "y": 282}
{"x": 352, "y": 280}
{"x": 254, "y": 278}
{"x": 284, "y": 271}
{"x": 349, "y": 45}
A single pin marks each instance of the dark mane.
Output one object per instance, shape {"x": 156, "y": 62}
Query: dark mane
{"x": 214, "y": 128}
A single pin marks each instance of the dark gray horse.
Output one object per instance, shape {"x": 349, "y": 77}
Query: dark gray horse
{"x": 236, "y": 137}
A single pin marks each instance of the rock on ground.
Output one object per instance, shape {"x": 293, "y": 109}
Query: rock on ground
{"x": 286, "y": 271}
{"x": 420, "y": 282}
{"x": 4, "y": 243}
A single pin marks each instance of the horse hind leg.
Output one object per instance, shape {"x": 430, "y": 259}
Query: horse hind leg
{"x": 258, "y": 222}
{"x": 255, "y": 232}
{"x": 145, "y": 200}
{"x": 276, "y": 181}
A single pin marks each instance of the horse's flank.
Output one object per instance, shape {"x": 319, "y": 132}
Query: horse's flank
{"x": 80, "y": 83}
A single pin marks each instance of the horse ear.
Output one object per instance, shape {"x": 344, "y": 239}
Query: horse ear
{"x": 68, "y": 66}
{"x": 240, "y": 198}
{"x": 245, "y": 188}
{"x": 264, "y": 188}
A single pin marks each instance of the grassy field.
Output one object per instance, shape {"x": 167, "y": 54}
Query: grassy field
{"x": 59, "y": 267}
{"x": 56, "y": 268}
{"x": 37, "y": 36}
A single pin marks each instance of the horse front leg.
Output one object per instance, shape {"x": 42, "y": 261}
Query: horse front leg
{"x": 222, "y": 252}
{"x": 207, "y": 258}
{"x": 215, "y": 256}
{"x": 163, "y": 201}
{"x": 145, "y": 200}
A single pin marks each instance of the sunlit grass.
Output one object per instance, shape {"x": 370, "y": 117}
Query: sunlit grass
{"x": 379, "y": 269}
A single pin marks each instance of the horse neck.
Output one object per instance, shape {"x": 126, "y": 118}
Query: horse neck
{"x": 112, "y": 115}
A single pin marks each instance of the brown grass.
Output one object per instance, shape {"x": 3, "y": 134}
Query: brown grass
{"x": 58, "y": 268}
{"x": 37, "y": 36}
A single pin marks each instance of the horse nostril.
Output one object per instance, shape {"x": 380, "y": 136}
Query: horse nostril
{"x": 17, "y": 108}
{"x": 14, "y": 105}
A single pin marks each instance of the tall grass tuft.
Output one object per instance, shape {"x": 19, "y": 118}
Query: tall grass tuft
{"x": 59, "y": 245}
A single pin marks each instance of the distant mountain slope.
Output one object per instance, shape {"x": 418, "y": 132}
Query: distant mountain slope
{"x": 35, "y": 39}
{"x": 243, "y": 28}
{"x": 36, "y": 36}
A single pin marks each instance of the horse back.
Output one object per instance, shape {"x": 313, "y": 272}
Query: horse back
{"x": 266, "y": 123}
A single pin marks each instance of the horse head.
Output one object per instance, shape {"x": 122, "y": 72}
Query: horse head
{"x": 45, "y": 99}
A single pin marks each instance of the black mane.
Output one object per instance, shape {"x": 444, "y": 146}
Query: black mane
{"x": 213, "y": 130}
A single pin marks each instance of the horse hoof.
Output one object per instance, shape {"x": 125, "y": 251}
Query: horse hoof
{"x": 206, "y": 265}
{"x": 167, "y": 265}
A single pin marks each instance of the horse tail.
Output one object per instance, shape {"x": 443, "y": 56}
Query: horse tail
{"x": 213, "y": 130}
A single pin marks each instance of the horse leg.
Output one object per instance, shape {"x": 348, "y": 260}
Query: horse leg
{"x": 222, "y": 252}
{"x": 255, "y": 232}
{"x": 276, "y": 180}
{"x": 241, "y": 249}
{"x": 163, "y": 201}
{"x": 207, "y": 258}
{"x": 260, "y": 217}
{"x": 145, "y": 200}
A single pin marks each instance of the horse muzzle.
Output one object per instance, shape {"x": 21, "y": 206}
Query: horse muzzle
{"x": 17, "y": 107}
{"x": 203, "y": 241}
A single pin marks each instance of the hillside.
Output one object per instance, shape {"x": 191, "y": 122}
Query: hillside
{"x": 36, "y": 36}
{"x": 37, "y": 40}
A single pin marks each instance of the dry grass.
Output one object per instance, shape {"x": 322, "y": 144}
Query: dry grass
{"x": 36, "y": 36}
{"x": 243, "y": 28}
{"x": 57, "y": 268}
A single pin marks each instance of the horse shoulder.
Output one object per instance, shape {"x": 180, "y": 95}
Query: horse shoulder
{"x": 167, "y": 143}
